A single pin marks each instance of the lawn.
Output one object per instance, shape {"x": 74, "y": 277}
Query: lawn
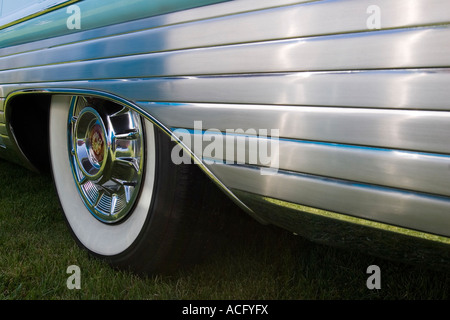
{"x": 257, "y": 263}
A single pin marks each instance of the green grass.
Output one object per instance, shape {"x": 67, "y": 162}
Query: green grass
{"x": 264, "y": 263}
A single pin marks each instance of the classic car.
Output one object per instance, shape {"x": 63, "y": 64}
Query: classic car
{"x": 329, "y": 118}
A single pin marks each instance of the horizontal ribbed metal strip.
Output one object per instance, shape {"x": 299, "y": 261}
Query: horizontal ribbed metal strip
{"x": 425, "y": 131}
{"x": 396, "y": 207}
{"x": 425, "y": 89}
{"x": 304, "y": 20}
{"x": 181, "y": 17}
{"x": 396, "y": 89}
{"x": 415, "y": 48}
{"x": 413, "y": 171}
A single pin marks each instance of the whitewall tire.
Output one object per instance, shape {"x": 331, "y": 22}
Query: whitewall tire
{"x": 170, "y": 218}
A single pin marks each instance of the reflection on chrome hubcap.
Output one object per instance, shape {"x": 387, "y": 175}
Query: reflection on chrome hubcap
{"x": 106, "y": 144}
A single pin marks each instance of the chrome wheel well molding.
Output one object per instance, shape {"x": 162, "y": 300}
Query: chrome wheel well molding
{"x": 130, "y": 105}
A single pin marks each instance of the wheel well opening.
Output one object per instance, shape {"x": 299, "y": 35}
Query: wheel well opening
{"x": 29, "y": 120}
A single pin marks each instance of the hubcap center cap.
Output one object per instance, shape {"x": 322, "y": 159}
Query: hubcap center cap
{"x": 97, "y": 143}
{"x": 90, "y": 143}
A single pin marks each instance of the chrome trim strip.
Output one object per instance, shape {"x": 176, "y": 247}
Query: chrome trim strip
{"x": 414, "y": 171}
{"x": 425, "y": 131}
{"x": 409, "y": 210}
{"x": 132, "y": 106}
{"x": 388, "y": 89}
{"x": 362, "y": 51}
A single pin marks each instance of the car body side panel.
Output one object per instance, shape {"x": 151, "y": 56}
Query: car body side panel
{"x": 94, "y": 14}
{"x": 362, "y": 113}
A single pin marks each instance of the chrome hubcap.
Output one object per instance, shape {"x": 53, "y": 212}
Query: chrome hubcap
{"x": 106, "y": 148}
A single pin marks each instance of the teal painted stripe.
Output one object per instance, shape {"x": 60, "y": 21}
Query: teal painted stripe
{"x": 20, "y": 10}
{"x": 94, "y": 14}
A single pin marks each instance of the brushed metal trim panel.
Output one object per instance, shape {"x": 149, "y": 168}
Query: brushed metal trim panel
{"x": 427, "y": 173}
{"x": 425, "y": 131}
{"x": 398, "y": 89}
{"x": 310, "y": 19}
{"x": 372, "y": 50}
{"x": 405, "y": 209}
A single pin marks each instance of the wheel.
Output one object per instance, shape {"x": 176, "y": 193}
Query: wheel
{"x": 123, "y": 198}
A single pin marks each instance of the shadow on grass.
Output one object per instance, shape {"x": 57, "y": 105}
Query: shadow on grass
{"x": 252, "y": 262}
